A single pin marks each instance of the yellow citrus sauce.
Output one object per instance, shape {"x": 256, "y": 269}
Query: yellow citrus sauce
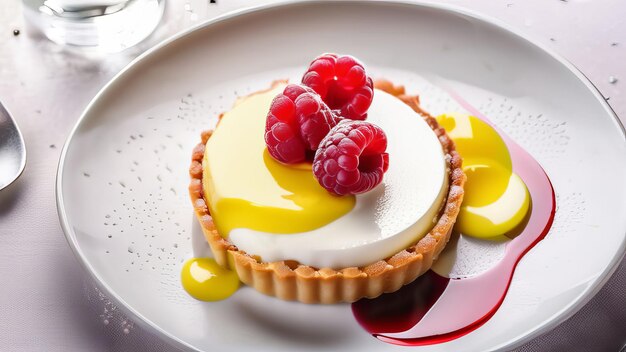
{"x": 246, "y": 188}
{"x": 496, "y": 199}
{"x": 206, "y": 280}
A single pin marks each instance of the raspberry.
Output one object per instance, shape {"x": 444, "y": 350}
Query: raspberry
{"x": 351, "y": 159}
{"x": 342, "y": 83}
{"x": 296, "y": 123}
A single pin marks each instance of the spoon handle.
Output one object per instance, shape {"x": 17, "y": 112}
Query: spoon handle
{"x": 12, "y": 149}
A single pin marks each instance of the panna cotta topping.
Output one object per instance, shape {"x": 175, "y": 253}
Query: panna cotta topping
{"x": 280, "y": 212}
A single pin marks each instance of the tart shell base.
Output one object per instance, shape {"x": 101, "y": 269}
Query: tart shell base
{"x": 290, "y": 280}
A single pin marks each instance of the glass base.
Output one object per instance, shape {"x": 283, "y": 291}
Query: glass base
{"x": 111, "y": 26}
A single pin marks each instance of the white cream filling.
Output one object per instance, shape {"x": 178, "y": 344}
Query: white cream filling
{"x": 397, "y": 213}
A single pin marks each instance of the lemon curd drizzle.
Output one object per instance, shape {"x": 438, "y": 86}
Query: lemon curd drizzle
{"x": 246, "y": 188}
{"x": 496, "y": 199}
{"x": 206, "y": 280}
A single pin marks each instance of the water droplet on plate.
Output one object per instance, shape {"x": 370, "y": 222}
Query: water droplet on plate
{"x": 131, "y": 249}
{"x": 612, "y": 79}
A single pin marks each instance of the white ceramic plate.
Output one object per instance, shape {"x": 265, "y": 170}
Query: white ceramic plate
{"x": 122, "y": 180}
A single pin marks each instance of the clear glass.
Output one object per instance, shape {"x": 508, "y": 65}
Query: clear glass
{"x": 98, "y": 25}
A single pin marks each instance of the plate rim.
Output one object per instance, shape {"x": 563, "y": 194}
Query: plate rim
{"x": 556, "y": 319}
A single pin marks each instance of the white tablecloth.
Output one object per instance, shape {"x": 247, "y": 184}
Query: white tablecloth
{"x": 48, "y": 303}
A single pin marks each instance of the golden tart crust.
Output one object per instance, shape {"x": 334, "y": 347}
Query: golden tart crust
{"x": 290, "y": 280}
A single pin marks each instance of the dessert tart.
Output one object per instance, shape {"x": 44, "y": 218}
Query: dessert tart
{"x": 302, "y": 269}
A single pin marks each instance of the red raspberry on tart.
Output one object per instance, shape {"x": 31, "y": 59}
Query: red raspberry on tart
{"x": 342, "y": 83}
{"x": 296, "y": 123}
{"x": 351, "y": 159}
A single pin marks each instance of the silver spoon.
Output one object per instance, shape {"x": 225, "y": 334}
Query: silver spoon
{"x": 12, "y": 149}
